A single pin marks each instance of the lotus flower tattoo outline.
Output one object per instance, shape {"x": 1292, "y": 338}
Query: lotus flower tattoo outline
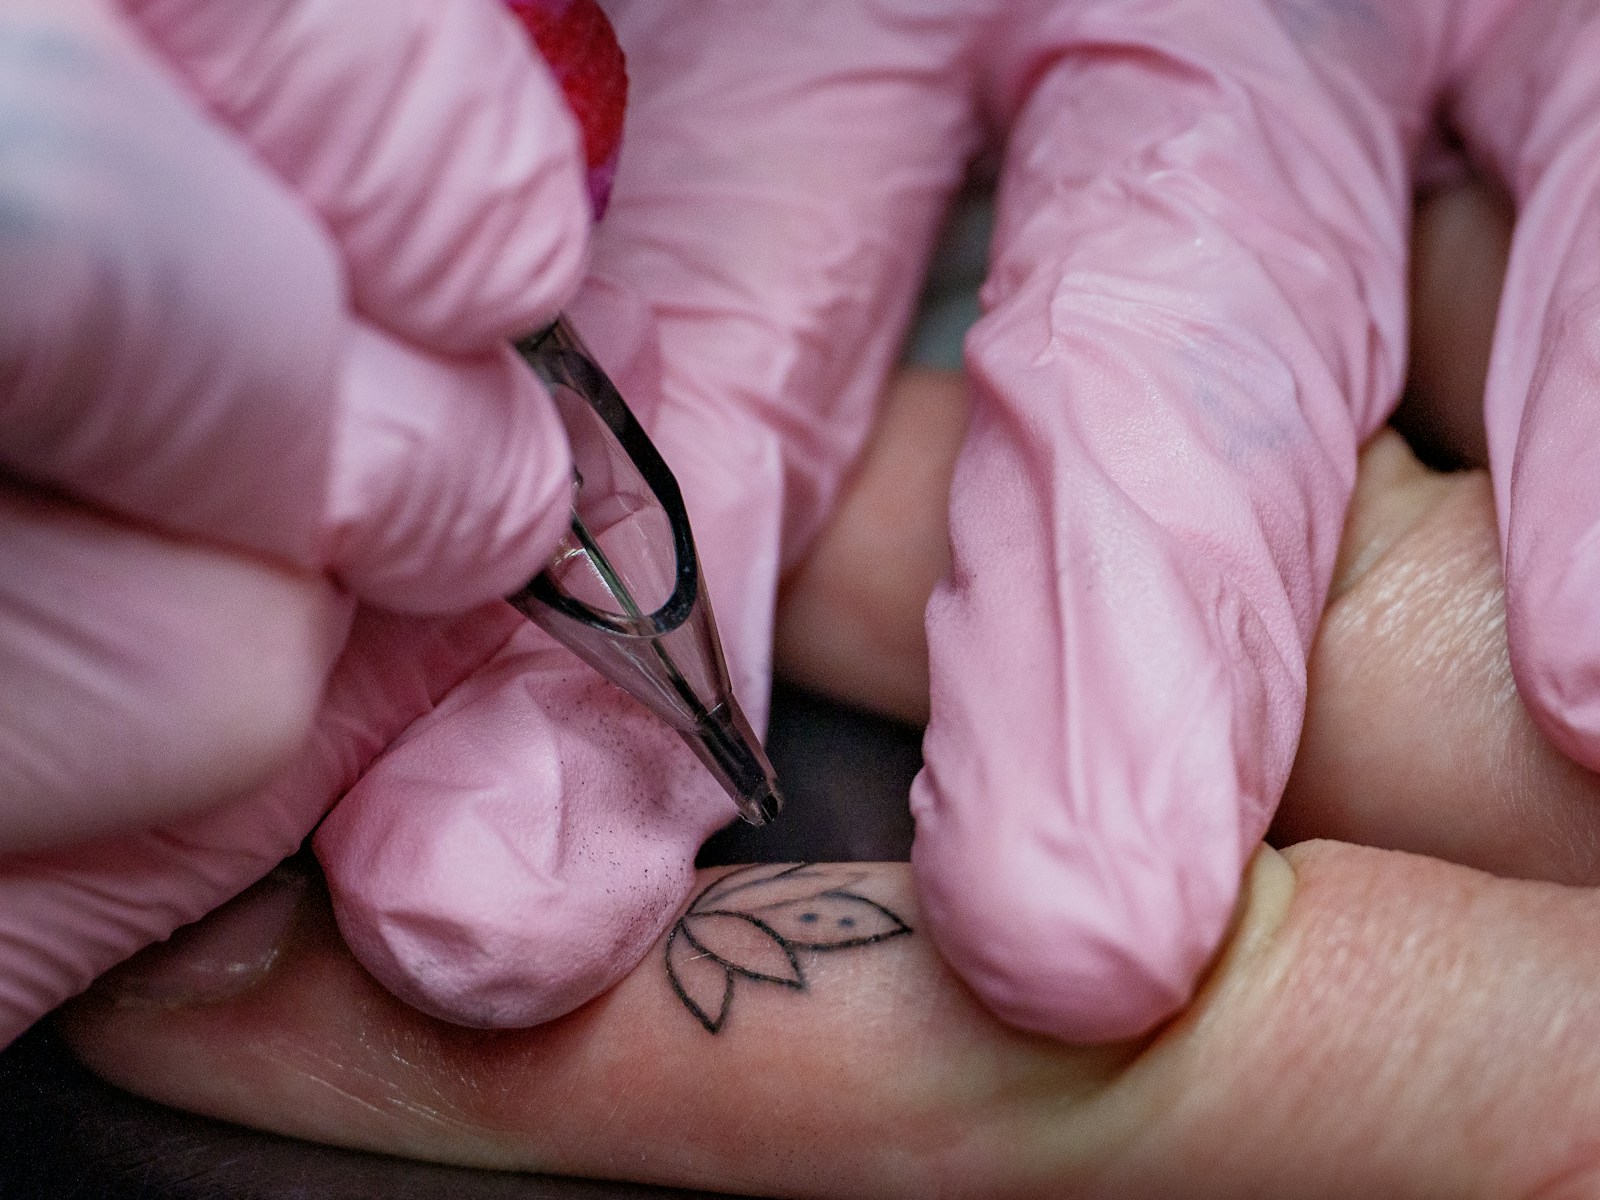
{"x": 753, "y": 924}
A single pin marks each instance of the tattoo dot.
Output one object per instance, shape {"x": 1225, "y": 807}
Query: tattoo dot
{"x": 746, "y": 927}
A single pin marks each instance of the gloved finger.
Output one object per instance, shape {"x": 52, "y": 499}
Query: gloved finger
{"x": 850, "y": 614}
{"x": 70, "y": 912}
{"x": 431, "y": 139}
{"x": 785, "y": 172}
{"x": 1531, "y": 113}
{"x": 451, "y": 479}
{"x": 555, "y": 830}
{"x": 1196, "y": 313}
{"x": 1414, "y": 737}
{"x": 174, "y": 345}
{"x": 144, "y": 676}
{"x": 1342, "y": 1048}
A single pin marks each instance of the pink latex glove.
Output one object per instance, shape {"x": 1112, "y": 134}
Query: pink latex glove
{"x": 1530, "y": 113}
{"x": 520, "y": 847}
{"x": 259, "y": 265}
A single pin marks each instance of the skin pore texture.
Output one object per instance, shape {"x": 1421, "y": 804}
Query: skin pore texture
{"x": 1380, "y": 1024}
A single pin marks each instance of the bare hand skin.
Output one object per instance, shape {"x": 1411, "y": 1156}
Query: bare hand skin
{"x": 1415, "y": 737}
{"x": 1382, "y": 1025}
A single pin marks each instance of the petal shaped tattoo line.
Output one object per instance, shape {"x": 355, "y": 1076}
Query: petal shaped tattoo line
{"x": 751, "y": 923}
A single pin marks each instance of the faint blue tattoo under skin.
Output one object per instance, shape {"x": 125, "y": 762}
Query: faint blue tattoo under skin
{"x": 757, "y": 922}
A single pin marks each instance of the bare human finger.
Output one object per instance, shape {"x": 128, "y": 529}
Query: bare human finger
{"x": 1339, "y": 1049}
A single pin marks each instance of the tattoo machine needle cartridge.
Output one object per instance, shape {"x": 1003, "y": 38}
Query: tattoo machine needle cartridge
{"x": 623, "y": 590}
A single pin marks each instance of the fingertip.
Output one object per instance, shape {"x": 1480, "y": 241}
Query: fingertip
{"x": 487, "y": 958}
{"x": 433, "y": 142}
{"x": 520, "y": 849}
{"x": 486, "y": 237}
{"x": 514, "y": 250}
{"x": 453, "y": 481}
{"x": 1066, "y": 941}
{"x": 463, "y": 917}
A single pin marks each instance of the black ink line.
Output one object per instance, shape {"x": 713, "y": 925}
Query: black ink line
{"x": 712, "y": 1024}
{"x": 799, "y": 980}
{"x": 695, "y": 992}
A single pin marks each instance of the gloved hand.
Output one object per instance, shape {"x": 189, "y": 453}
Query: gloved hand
{"x": 259, "y": 264}
{"x": 521, "y": 846}
{"x": 515, "y": 831}
{"x": 1382, "y": 1024}
{"x": 1195, "y": 315}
